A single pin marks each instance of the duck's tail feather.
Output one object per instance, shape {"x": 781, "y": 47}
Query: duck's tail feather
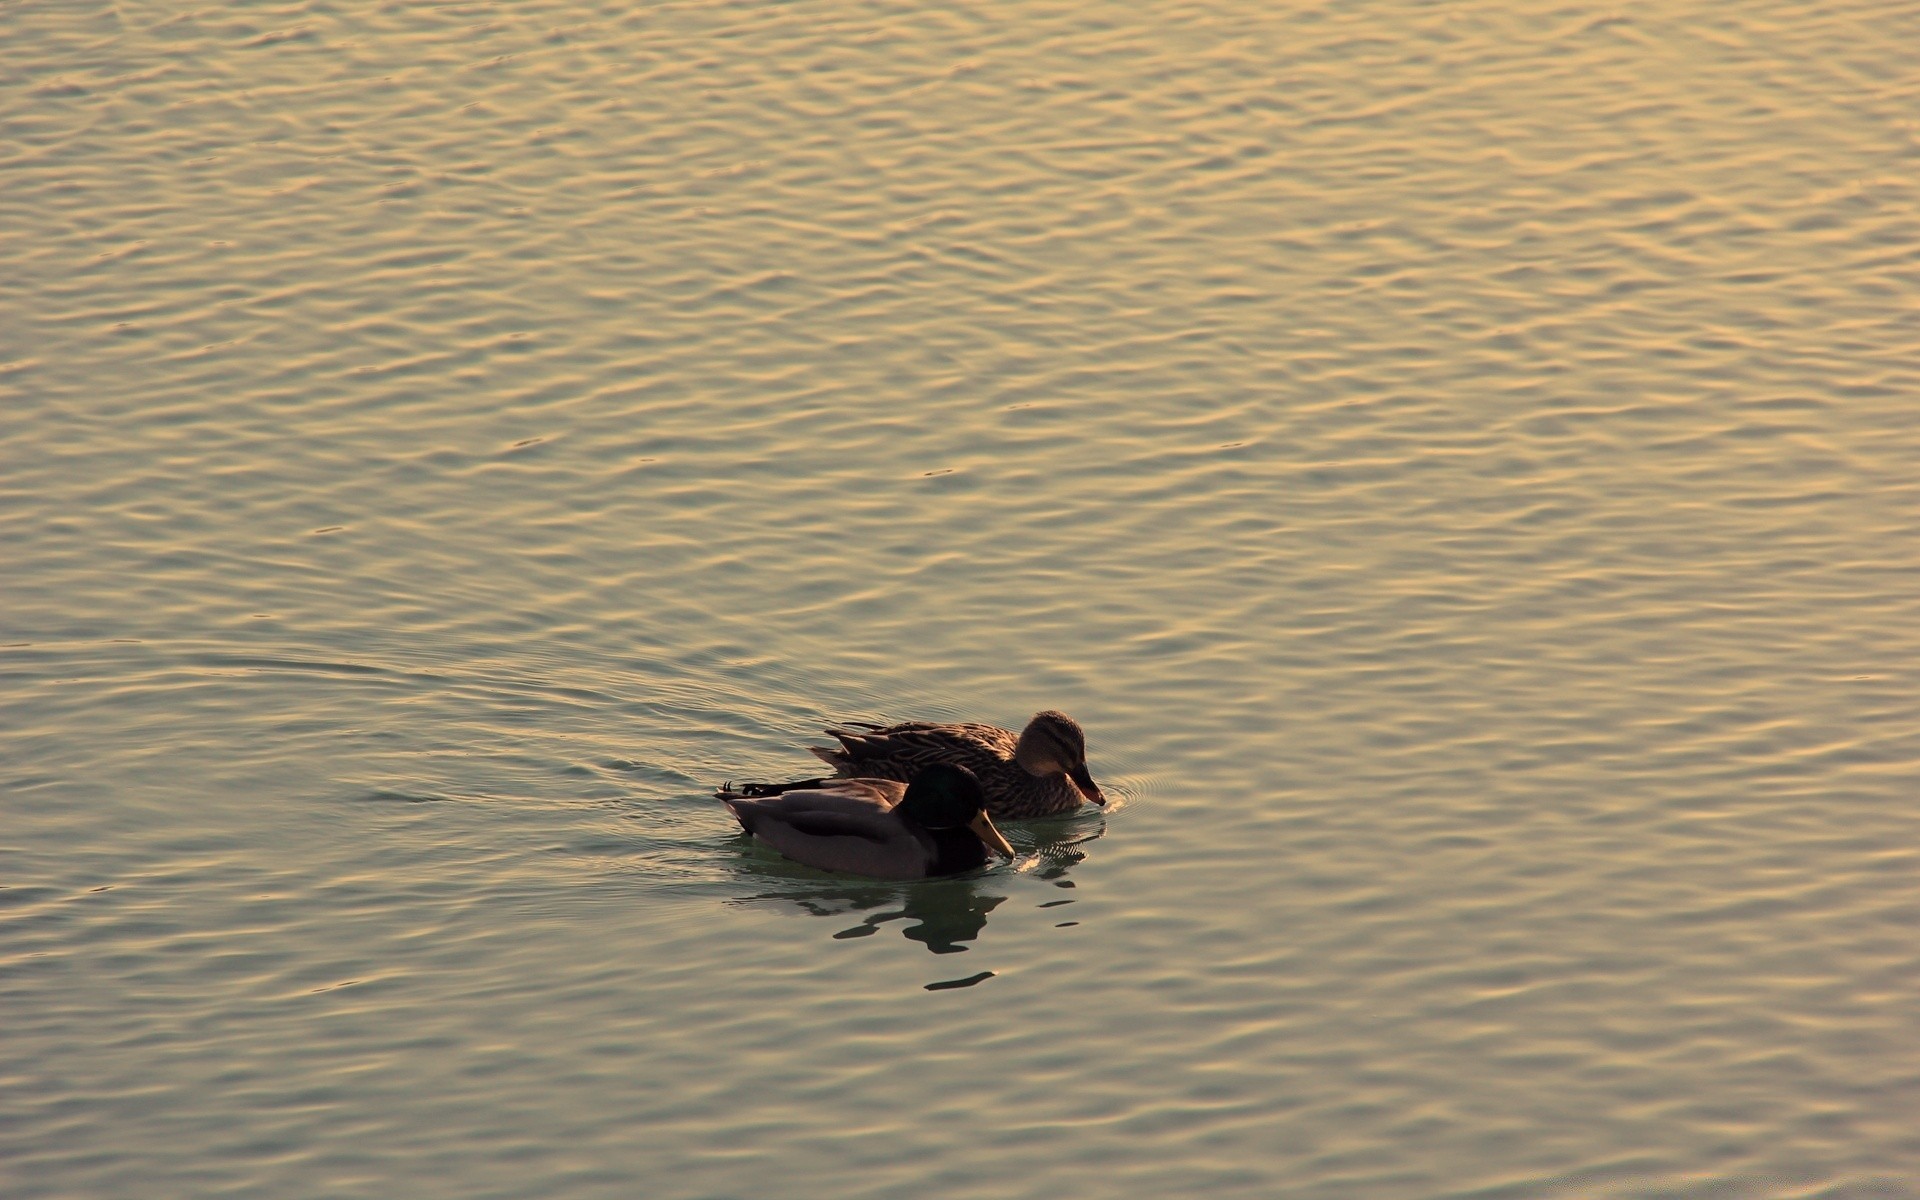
{"x": 731, "y": 801}
{"x": 757, "y": 791}
{"x": 833, "y": 756}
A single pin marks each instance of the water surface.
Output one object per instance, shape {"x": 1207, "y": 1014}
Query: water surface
{"x": 1457, "y": 461}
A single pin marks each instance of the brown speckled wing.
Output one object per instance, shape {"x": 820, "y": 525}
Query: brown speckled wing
{"x": 905, "y": 748}
{"x": 899, "y": 751}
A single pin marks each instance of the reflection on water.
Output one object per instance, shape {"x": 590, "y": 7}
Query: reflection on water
{"x": 946, "y": 985}
{"x": 944, "y": 915}
{"x": 1463, "y": 454}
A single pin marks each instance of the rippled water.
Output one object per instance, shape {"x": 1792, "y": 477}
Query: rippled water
{"x": 1459, "y": 462}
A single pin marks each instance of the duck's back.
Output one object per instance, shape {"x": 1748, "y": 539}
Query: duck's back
{"x": 899, "y": 751}
{"x": 846, "y": 825}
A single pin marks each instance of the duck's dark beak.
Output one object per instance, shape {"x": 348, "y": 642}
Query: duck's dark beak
{"x": 1085, "y": 783}
{"x": 983, "y": 825}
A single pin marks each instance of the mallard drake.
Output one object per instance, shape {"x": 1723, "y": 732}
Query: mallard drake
{"x": 1038, "y": 773}
{"x": 934, "y": 825}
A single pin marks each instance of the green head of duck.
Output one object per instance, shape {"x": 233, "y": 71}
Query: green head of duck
{"x": 946, "y": 796}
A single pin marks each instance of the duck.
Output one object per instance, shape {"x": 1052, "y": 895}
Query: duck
{"x": 1039, "y": 772}
{"x": 936, "y": 824}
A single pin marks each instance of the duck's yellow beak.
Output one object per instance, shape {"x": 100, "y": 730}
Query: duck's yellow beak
{"x": 1084, "y": 781}
{"x": 983, "y": 825}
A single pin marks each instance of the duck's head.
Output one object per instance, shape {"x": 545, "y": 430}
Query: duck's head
{"x": 1052, "y": 744}
{"x": 945, "y": 796}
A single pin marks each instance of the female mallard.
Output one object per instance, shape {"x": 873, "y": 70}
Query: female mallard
{"x": 1041, "y": 772}
{"x": 935, "y": 825}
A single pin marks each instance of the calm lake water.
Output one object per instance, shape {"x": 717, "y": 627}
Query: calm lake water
{"x": 1461, "y": 463}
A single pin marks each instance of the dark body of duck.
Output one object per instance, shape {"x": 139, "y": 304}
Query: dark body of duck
{"x": 1039, "y": 772}
{"x": 935, "y": 825}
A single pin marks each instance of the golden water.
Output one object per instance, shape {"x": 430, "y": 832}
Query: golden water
{"x": 1460, "y": 462}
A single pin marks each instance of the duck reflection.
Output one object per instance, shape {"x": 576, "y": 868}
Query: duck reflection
{"x": 944, "y": 915}
{"x": 941, "y": 917}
